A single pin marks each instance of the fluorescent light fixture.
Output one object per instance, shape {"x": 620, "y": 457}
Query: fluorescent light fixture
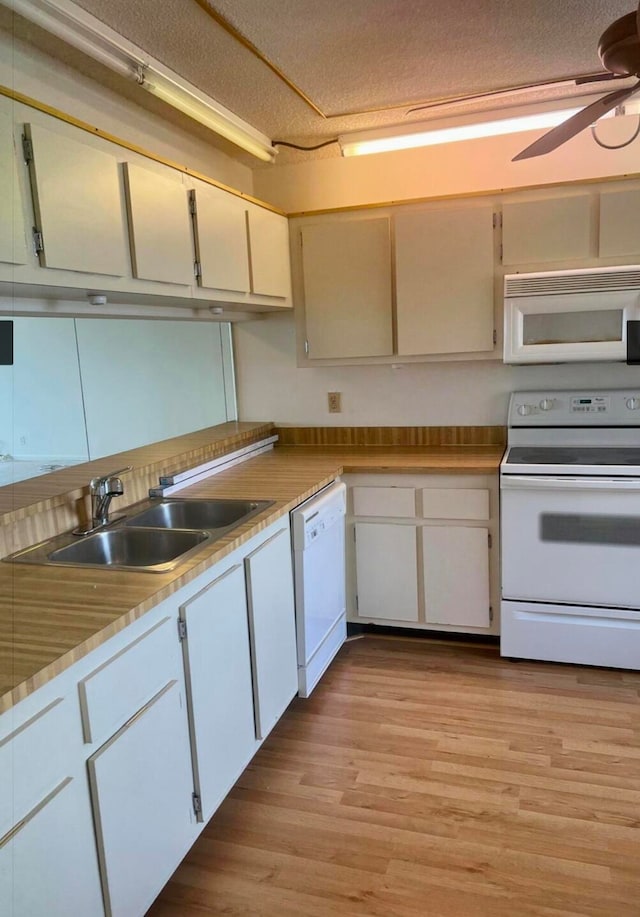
{"x": 386, "y": 140}
{"x": 72, "y": 24}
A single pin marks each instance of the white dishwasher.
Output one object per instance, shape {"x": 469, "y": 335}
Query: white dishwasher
{"x": 318, "y": 533}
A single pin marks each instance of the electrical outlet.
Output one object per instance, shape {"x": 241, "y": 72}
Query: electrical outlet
{"x": 335, "y": 402}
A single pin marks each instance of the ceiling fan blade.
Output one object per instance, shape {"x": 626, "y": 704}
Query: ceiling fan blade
{"x": 572, "y": 126}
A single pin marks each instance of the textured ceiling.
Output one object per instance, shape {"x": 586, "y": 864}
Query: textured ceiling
{"x": 340, "y": 66}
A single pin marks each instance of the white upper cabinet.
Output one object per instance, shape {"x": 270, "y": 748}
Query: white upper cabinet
{"x": 444, "y": 281}
{"x": 554, "y": 229}
{"x": 159, "y": 226}
{"x": 347, "y": 288}
{"x": 269, "y": 247}
{"x": 13, "y": 246}
{"x": 619, "y": 223}
{"x": 78, "y": 205}
{"x": 220, "y": 232}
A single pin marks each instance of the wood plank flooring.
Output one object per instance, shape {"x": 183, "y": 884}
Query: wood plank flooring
{"x": 432, "y": 780}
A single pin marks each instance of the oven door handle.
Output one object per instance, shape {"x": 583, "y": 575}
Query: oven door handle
{"x": 541, "y": 482}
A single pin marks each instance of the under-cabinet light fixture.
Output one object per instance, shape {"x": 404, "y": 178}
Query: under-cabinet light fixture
{"x": 72, "y": 24}
{"x": 386, "y": 140}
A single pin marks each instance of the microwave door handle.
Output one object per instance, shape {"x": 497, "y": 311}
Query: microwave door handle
{"x": 541, "y": 482}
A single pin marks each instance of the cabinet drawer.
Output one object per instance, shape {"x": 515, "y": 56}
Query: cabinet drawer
{"x": 384, "y": 501}
{"x": 455, "y": 503}
{"x": 118, "y": 688}
{"x": 34, "y": 758}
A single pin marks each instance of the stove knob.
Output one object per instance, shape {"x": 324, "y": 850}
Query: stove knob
{"x": 546, "y": 404}
{"x": 633, "y": 403}
{"x": 525, "y": 409}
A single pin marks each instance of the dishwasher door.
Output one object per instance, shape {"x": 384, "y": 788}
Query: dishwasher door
{"x": 318, "y": 528}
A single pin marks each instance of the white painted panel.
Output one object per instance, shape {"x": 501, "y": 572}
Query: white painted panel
{"x": 456, "y": 575}
{"x": 445, "y": 281}
{"x": 555, "y": 229}
{"x": 145, "y": 381}
{"x": 124, "y": 683}
{"x": 384, "y": 501}
{"x": 141, "y": 786}
{"x": 221, "y": 238}
{"x": 455, "y": 503}
{"x": 273, "y": 629}
{"x": 13, "y": 244}
{"x": 78, "y": 202}
{"x": 41, "y": 411}
{"x": 50, "y": 867}
{"x": 619, "y": 223}
{"x": 269, "y": 246}
{"x": 159, "y": 226}
{"x": 347, "y": 288}
{"x": 386, "y": 571}
{"x": 219, "y": 688}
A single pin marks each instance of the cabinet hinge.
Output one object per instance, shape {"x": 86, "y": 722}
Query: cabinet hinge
{"x": 490, "y": 614}
{"x": 197, "y": 268}
{"x": 501, "y": 252}
{"x": 495, "y": 336}
{"x": 193, "y": 207}
{"x": 306, "y": 347}
{"x": 38, "y": 241}
{"x": 27, "y": 150}
{"x": 497, "y": 219}
{"x": 182, "y": 629}
{"x": 490, "y": 539}
{"x": 357, "y": 603}
{"x": 197, "y": 804}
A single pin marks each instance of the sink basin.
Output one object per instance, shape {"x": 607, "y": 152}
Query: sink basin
{"x": 198, "y": 514}
{"x": 151, "y": 550}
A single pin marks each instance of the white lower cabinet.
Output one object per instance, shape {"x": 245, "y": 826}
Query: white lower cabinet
{"x": 219, "y": 685}
{"x": 272, "y": 626}
{"x": 423, "y": 551}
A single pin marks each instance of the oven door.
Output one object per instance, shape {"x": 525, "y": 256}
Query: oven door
{"x": 571, "y": 540}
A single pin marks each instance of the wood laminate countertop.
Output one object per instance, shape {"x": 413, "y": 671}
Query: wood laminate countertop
{"x": 52, "y": 616}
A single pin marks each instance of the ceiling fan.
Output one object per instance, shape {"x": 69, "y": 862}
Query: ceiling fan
{"x": 619, "y": 52}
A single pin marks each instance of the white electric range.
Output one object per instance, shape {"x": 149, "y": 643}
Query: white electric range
{"x": 570, "y": 528}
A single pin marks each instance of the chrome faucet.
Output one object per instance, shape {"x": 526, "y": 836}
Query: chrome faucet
{"x": 102, "y": 490}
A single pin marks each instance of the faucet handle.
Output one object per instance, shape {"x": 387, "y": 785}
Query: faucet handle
{"x": 106, "y": 482}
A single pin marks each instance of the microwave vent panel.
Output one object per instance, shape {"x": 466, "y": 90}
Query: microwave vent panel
{"x": 607, "y": 280}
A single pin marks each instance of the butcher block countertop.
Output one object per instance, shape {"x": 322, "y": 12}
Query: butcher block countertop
{"x": 52, "y": 616}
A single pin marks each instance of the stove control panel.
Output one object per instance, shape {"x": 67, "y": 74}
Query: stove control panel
{"x": 608, "y": 408}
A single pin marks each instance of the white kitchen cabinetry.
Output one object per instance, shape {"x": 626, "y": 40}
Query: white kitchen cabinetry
{"x": 13, "y": 246}
{"x": 551, "y": 229}
{"x": 220, "y": 233}
{"x": 272, "y": 626}
{"x": 269, "y": 253}
{"x": 219, "y": 685}
{"x": 434, "y": 567}
{"x": 619, "y": 224}
{"x": 77, "y": 199}
{"x": 347, "y": 288}
{"x": 159, "y": 225}
{"x": 444, "y": 281}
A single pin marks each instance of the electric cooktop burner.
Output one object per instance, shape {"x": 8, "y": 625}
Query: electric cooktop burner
{"x": 578, "y": 455}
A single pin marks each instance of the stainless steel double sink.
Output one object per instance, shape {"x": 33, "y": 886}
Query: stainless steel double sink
{"x": 154, "y": 537}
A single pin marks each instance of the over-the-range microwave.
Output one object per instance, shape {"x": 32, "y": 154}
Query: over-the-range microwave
{"x": 576, "y": 315}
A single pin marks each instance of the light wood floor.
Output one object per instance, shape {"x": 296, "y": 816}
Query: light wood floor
{"x": 430, "y": 780}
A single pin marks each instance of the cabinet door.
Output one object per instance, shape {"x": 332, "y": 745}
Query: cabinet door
{"x": 269, "y": 247}
{"x": 13, "y": 246}
{"x": 557, "y": 229}
{"x": 48, "y": 863}
{"x": 444, "y": 281}
{"x": 387, "y": 571}
{"x": 78, "y": 205}
{"x": 141, "y": 786}
{"x": 220, "y": 230}
{"x": 347, "y": 288}
{"x": 219, "y": 689}
{"x": 456, "y": 575}
{"x": 619, "y": 223}
{"x": 272, "y": 626}
{"x": 159, "y": 226}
